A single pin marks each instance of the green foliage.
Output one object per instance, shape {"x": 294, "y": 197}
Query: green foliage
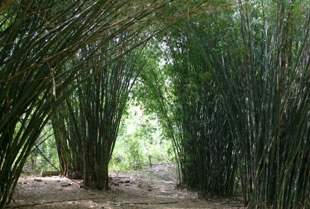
{"x": 265, "y": 95}
{"x": 86, "y": 126}
{"x": 139, "y": 142}
{"x": 228, "y": 86}
{"x": 43, "y": 154}
{"x": 37, "y": 40}
{"x": 235, "y": 90}
{"x": 206, "y": 156}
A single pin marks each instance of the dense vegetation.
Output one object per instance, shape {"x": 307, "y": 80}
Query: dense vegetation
{"x": 226, "y": 81}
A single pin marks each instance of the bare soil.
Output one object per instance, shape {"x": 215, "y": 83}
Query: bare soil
{"x": 152, "y": 187}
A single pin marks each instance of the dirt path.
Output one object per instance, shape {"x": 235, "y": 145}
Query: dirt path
{"x": 152, "y": 188}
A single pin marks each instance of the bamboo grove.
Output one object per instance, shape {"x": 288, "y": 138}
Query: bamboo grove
{"x": 37, "y": 41}
{"x": 233, "y": 94}
{"x": 237, "y": 102}
{"x": 86, "y": 126}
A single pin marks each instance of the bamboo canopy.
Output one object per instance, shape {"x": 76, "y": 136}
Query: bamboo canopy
{"x": 234, "y": 97}
{"x": 37, "y": 40}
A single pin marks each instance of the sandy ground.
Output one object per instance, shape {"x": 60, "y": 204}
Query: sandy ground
{"x": 153, "y": 187}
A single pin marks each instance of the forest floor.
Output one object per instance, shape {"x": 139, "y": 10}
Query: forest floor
{"x": 152, "y": 187}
